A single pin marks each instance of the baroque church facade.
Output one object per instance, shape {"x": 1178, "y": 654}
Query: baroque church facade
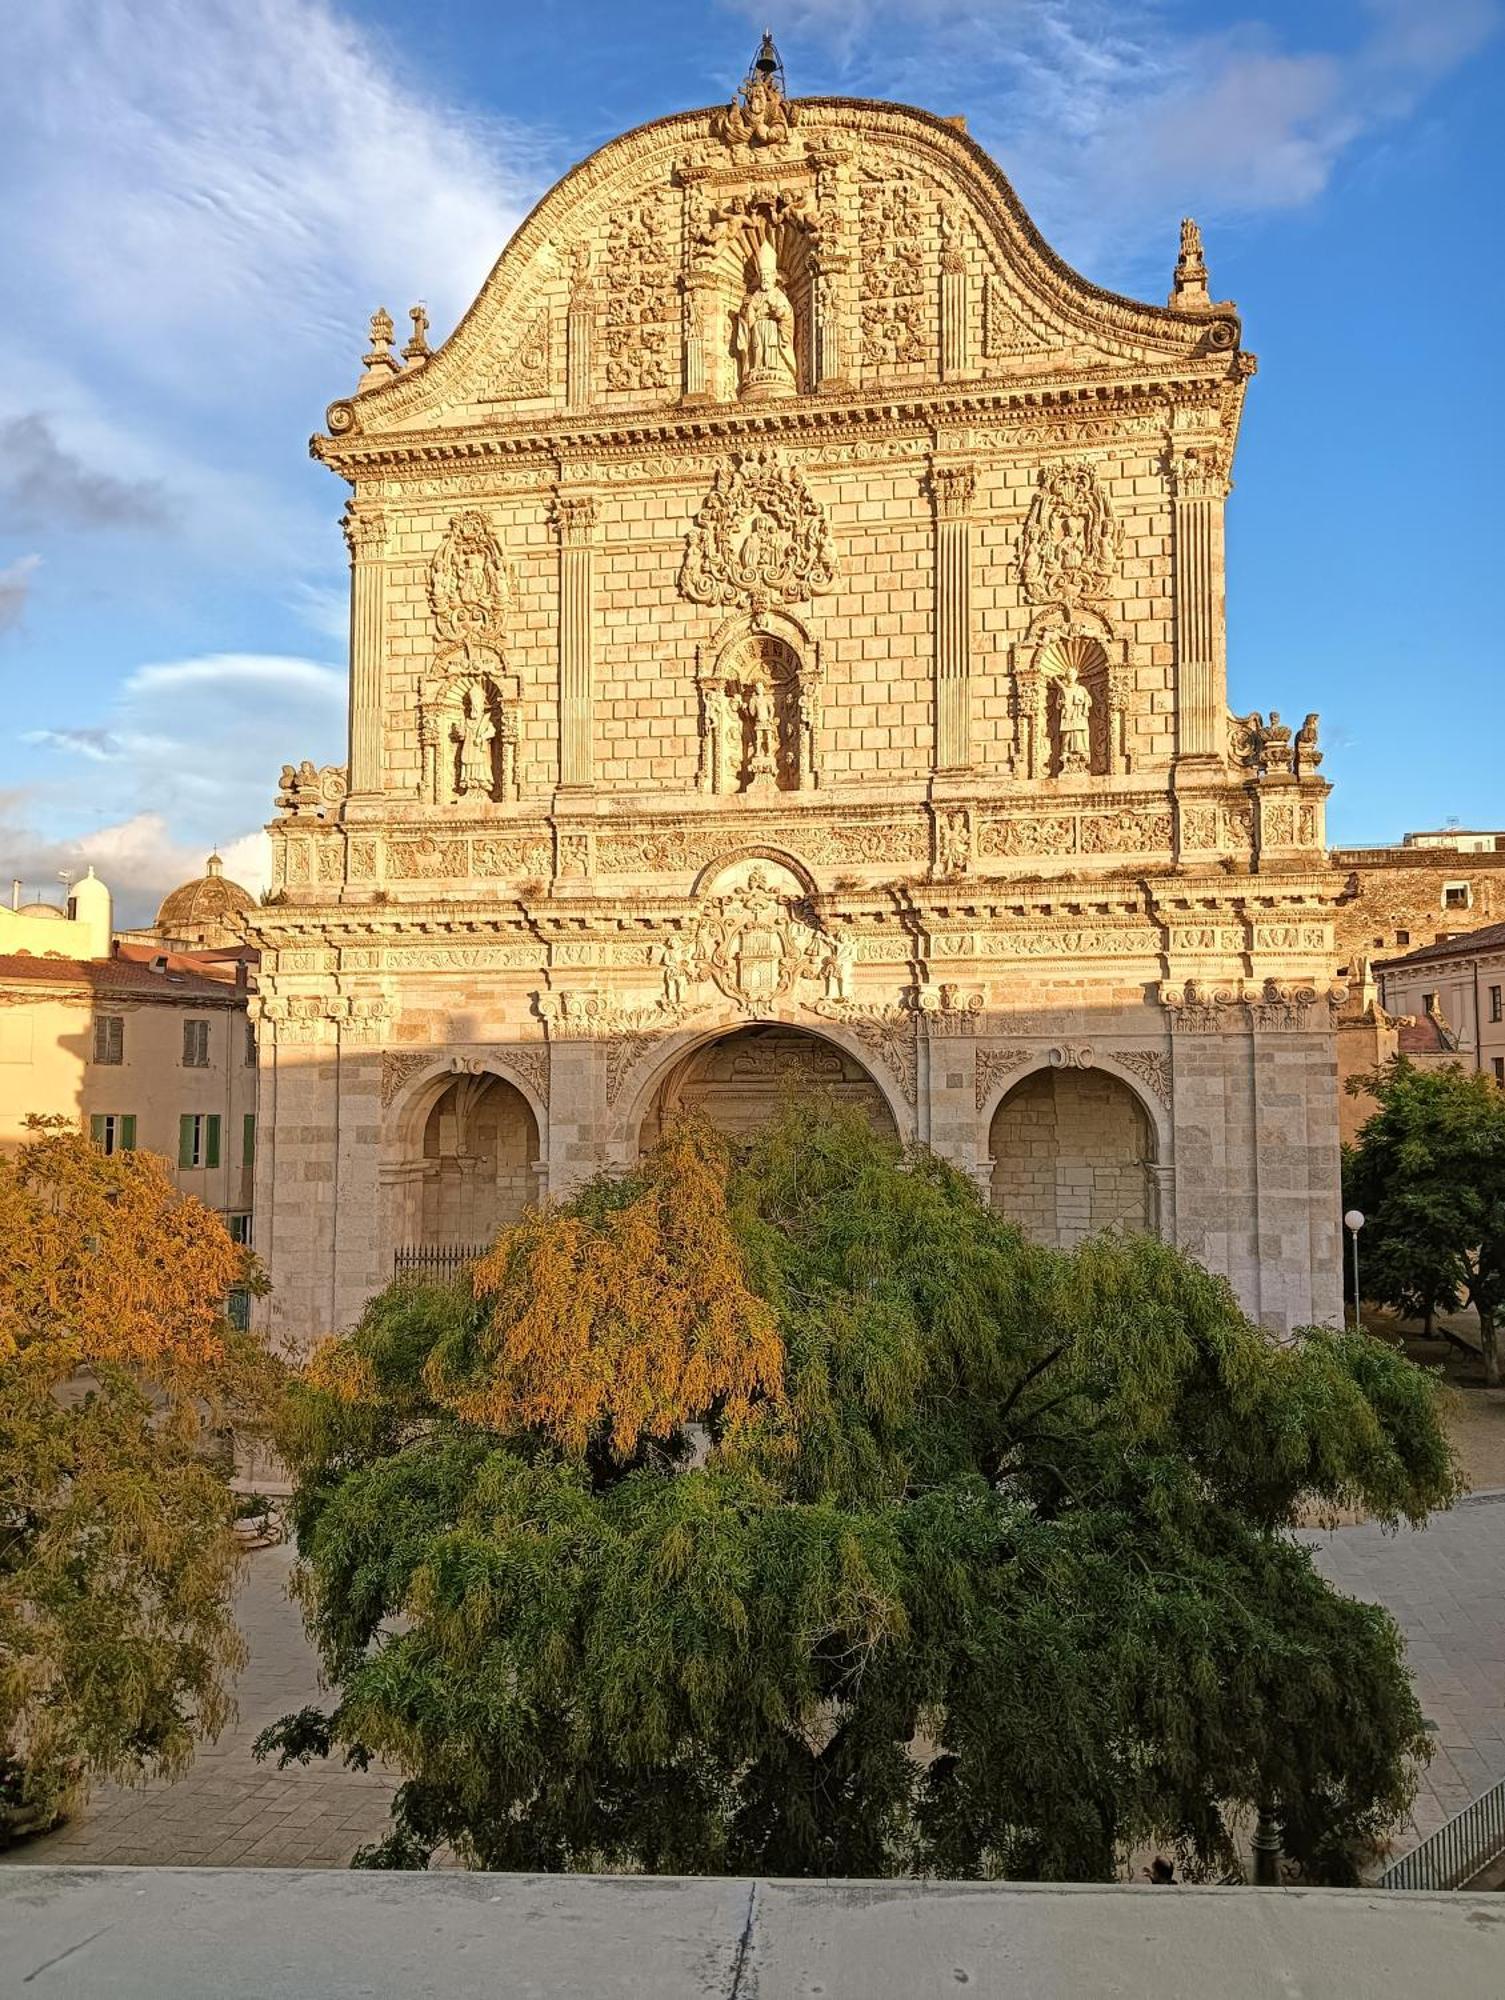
{"x": 787, "y": 642}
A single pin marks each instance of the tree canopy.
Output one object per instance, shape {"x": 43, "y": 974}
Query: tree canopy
{"x": 117, "y": 1550}
{"x": 1428, "y": 1175}
{"x": 787, "y": 1512}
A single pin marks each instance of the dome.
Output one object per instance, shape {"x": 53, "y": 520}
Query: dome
{"x": 41, "y": 910}
{"x": 207, "y": 911}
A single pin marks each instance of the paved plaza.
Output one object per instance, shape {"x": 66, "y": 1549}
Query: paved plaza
{"x": 1446, "y": 1585}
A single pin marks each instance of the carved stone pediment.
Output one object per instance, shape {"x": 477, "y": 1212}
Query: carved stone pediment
{"x": 760, "y": 538}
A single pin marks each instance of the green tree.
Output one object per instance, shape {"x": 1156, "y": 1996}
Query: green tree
{"x": 841, "y": 1531}
{"x": 117, "y": 1551}
{"x": 1428, "y": 1174}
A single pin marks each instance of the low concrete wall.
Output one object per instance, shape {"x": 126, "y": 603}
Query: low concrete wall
{"x": 244, "y": 1934}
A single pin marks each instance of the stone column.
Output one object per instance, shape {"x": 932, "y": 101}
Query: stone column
{"x": 366, "y": 536}
{"x": 953, "y": 488}
{"x": 575, "y": 524}
{"x": 580, "y": 337}
{"x": 1199, "y": 478}
{"x": 954, "y": 356}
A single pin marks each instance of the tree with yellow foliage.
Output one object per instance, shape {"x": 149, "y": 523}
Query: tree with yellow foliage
{"x": 786, "y": 1512}
{"x": 117, "y": 1546}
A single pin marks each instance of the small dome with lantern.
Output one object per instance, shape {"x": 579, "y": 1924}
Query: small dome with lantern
{"x": 205, "y": 912}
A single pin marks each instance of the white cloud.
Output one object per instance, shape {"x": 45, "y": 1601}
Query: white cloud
{"x": 15, "y": 588}
{"x": 1114, "y": 121}
{"x": 262, "y": 672}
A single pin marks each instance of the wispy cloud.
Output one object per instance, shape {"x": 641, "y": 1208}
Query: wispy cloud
{"x": 1110, "y": 120}
{"x": 231, "y": 672}
{"x": 15, "y": 588}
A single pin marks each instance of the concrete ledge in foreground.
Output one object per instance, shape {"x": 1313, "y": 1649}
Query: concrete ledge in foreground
{"x": 287, "y": 1934}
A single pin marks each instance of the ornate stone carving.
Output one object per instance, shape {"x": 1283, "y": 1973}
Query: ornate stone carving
{"x": 397, "y": 1065}
{"x": 425, "y": 859}
{"x": 522, "y": 855}
{"x": 1069, "y": 544}
{"x": 1071, "y": 1055}
{"x": 992, "y": 1066}
{"x": 754, "y": 944}
{"x": 1125, "y": 832}
{"x": 953, "y": 843}
{"x": 528, "y": 368}
{"x": 306, "y": 792}
{"x": 1054, "y": 834}
{"x": 947, "y": 1010}
{"x": 892, "y": 231}
{"x": 759, "y": 713}
{"x": 471, "y": 590}
{"x": 760, "y": 114}
{"x": 1151, "y": 1066}
{"x": 1308, "y": 750}
{"x": 760, "y": 538}
{"x": 642, "y": 312}
{"x": 887, "y": 1034}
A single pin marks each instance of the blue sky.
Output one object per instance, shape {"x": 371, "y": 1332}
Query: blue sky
{"x": 205, "y": 203}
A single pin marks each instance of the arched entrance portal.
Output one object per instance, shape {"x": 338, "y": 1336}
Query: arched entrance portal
{"x": 479, "y": 1165}
{"x": 741, "y": 1079}
{"x": 1072, "y": 1154}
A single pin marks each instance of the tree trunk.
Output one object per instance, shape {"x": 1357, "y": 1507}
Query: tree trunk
{"x": 1491, "y": 1348}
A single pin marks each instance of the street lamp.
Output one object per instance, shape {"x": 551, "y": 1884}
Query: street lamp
{"x": 1353, "y": 1222}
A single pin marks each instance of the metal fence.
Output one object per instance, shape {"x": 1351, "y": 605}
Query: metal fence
{"x": 1461, "y": 1848}
{"x": 441, "y": 1260}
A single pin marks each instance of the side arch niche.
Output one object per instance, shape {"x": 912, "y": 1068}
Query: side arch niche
{"x": 1072, "y": 692}
{"x": 1071, "y": 1154}
{"x": 759, "y": 690}
{"x": 469, "y": 1163}
{"x": 740, "y": 1080}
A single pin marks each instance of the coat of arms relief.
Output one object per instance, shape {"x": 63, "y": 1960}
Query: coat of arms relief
{"x": 469, "y": 701}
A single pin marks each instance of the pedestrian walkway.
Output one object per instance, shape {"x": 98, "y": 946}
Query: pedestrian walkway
{"x": 229, "y": 1811}
{"x": 1445, "y": 1587}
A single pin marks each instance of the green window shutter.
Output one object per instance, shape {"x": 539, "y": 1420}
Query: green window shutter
{"x": 185, "y": 1140}
{"x": 97, "y": 1128}
{"x": 248, "y": 1140}
{"x": 128, "y": 1132}
{"x": 211, "y": 1140}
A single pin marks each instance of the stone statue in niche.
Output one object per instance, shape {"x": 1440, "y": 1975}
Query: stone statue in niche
{"x": 838, "y": 964}
{"x": 763, "y": 738}
{"x": 475, "y": 732}
{"x": 1074, "y": 722}
{"x": 763, "y": 334}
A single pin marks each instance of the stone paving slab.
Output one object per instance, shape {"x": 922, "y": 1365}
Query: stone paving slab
{"x": 1445, "y": 1586}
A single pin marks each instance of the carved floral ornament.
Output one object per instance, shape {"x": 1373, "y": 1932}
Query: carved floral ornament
{"x": 760, "y": 538}
{"x": 471, "y": 588}
{"x": 1069, "y": 544}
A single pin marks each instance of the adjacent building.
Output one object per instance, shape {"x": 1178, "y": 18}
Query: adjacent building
{"x": 1455, "y": 990}
{"x": 787, "y": 643}
{"x": 143, "y": 1045}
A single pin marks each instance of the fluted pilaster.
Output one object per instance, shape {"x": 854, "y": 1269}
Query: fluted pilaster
{"x": 953, "y": 489}
{"x": 575, "y": 524}
{"x": 366, "y": 537}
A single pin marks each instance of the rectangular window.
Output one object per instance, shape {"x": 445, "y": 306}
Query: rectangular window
{"x": 114, "y": 1131}
{"x": 238, "y": 1308}
{"x": 250, "y": 1045}
{"x": 239, "y": 1226}
{"x": 109, "y": 1038}
{"x": 1402, "y": 937}
{"x": 198, "y": 1139}
{"x": 248, "y": 1140}
{"x": 1495, "y": 1003}
{"x": 1429, "y": 1003}
{"x": 1498, "y": 1066}
{"x": 195, "y": 1045}
{"x": 1457, "y": 896}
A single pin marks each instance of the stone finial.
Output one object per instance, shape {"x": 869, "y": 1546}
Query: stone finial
{"x": 417, "y": 350}
{"x": 381, "y": 363}
{"x": 1189, "y": 285}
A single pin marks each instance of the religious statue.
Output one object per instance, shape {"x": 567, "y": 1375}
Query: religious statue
{"x": 763, "y": 755}
{"x": 763, "y": 333}
{"x": 674, "y": 956}
{"x": 1075, "y": 723}
{"x": 474, "y": 733}
{"x": 836, "y": 967}
{"x": 953, "y": 844}
{"x": 1308, "y": 749}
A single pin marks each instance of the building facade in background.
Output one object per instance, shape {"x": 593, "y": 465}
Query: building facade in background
{"x": 1455, "y": 991}
{"x": 787, "y": 645}
{"x": 141, "y": 1045}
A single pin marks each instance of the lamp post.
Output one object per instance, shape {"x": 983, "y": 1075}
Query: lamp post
{"x": 1353, "y": 1222}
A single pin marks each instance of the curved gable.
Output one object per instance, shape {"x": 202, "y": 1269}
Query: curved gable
{"x": 904, "y": 255}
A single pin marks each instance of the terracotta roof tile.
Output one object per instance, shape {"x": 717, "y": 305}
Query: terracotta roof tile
{"x": 125, "y": 978}
{"x": 1463, "y": 945}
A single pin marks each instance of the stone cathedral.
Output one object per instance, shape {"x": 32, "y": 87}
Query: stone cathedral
{"x": 787, "y": 642}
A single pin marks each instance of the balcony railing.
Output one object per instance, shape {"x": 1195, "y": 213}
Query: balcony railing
{"x": 440, "y": 1261}
{"x": 1458, "y": 1852}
